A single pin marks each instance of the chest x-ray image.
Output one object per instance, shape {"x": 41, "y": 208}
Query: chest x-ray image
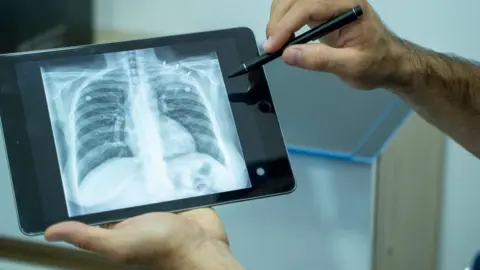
{"x": 141, "y": 127}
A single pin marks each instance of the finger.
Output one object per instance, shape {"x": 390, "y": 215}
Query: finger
{"x": 319, "y": 57}
{"x": 95, "y": 239}
{"x": 277, "y": 11}
{"x": 209, "y": 221}
{"x": 122, "y": 224}
{"x": 327, "y": 39}
{"x": 199, "y": 213}
{"x": 110, "y": 225}
{"x": 331, "y": 39}
{"x": 300, "y": 14}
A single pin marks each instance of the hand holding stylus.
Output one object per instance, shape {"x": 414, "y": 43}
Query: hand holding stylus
{"x": 333, "y": 24}
{"x": 360, "y": 53}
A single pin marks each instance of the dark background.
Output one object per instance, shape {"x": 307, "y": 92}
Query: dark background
{"x": 42, "y": 24}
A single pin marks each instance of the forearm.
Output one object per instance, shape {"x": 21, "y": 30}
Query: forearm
{"x": 209, "y": 256}
{"x": 442, "y": 89}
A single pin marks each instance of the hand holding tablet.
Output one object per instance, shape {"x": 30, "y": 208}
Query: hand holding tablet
{"x": 155, "y": 240}
{"x": 101, "y": 133}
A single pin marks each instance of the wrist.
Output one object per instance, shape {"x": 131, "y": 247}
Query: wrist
{"x": 403, "y": 66}
{"x": 211, "y": 255}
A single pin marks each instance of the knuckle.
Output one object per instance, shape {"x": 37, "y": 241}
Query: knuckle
{"x": 324, "y": 62}
{"x": 318, "y": 6}
{"x": 306, "y": 8}
{"x": 320, "y": 60}
{"x": 122, "y": 256}
{"x": 86, "y": 244}
{"x": 360, "y": 67}
{"x": 320, "y": 3}
{"x": 270, "y": 28}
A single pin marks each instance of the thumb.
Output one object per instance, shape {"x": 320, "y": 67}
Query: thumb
{"x": 318, "y": 56}
{"x": 86, "y": 237}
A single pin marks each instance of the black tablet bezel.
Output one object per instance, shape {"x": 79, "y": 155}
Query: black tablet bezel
{"x": 254, "y": 96}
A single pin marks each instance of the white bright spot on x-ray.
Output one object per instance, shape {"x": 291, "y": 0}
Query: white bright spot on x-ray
{"x": 132, "y": 129}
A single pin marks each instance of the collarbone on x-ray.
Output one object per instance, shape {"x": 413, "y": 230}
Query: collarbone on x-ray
{"x": 132, "y": 129}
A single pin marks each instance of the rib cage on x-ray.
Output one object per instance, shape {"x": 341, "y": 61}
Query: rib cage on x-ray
{"x": 138, "y": 107}
{"x": 100, "y": 126}
{"x": 178, "y": 97}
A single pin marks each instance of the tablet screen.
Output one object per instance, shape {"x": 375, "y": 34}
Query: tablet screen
{"x": 141, "y": 127}
{"x": 105, "y": 132}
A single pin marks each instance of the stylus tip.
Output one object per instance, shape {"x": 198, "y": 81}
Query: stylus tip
{"x": 240, "y": 71}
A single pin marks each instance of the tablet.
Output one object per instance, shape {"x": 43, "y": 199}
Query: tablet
{"x": 104, "y": 132}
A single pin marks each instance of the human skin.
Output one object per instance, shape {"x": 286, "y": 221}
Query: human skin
{"x": 190, "y": 240}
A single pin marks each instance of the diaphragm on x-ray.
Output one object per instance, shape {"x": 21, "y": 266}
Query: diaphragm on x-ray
{"x": 141, "y": 127}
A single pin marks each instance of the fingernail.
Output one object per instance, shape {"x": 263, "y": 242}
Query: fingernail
{"x": 267, "y": 43}
{"x": 292, "y": 56}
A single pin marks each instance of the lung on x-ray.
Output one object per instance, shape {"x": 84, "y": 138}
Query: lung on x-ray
{"x": 141, "y": 127}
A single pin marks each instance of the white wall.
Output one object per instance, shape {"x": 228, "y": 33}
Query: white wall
{"x": 460, "y": 231}
{"x": 443, "y": 25}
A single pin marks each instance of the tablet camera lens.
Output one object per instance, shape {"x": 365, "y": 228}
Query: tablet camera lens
{"x": 264, "y": 106}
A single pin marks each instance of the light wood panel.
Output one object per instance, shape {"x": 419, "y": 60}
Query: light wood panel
{"x": 36, "y": 254}
{"x": 408, "y": 199}
{"x": 106, "y": 36}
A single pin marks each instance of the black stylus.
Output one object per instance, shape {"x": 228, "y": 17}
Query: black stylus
{"x": 315, "y": 33}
